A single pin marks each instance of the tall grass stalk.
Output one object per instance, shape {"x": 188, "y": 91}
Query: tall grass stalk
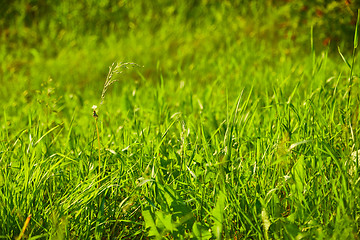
{"x": 114, "y": 70}
{"x": 353, "y": 54}
{"x": 27, "y": 221}
{"x": 98, "y": 138}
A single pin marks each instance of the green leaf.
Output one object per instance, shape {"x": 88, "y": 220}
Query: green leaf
{"x": 356, "y": 30}
{"x": 169, "y": 195}
{"x": 150, "y": 223}
{"x": 200, "y": 231}
{"x": 343, "y": 58}
{"x": 292, "y": 230}
{"x": 299, "y": 176}
{"x": 218, "y": 215}
{"x": 165, "y": 220}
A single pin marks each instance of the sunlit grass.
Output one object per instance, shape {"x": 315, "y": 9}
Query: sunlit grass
{"x": 219, "y": 135}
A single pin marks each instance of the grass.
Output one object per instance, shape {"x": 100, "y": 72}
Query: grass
{"x": 223, "y": 134}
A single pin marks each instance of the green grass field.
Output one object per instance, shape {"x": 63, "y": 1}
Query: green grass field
{"x": 227, "y": 127}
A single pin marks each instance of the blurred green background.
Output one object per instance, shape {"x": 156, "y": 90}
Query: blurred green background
{"x": 74, "y": 42}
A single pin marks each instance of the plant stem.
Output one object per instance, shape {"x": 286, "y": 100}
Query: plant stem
{"x": 24, "y": 227}
{"x": 98, "y": 137}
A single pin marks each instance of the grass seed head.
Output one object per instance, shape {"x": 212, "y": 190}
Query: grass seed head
{"x": 114, "y": 69}
{"x": 110, "y": 79}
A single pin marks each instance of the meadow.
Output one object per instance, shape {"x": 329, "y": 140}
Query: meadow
{"x": 234, "y": 123}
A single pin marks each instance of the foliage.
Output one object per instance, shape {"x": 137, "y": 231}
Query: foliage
{"x": 229, "y": 131}
{"x": 334, "y": 21}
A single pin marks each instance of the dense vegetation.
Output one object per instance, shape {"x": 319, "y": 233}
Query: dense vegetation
{"x": 240, "y": 120}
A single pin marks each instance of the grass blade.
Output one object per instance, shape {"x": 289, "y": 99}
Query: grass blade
{"x": 343, "y": 58}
